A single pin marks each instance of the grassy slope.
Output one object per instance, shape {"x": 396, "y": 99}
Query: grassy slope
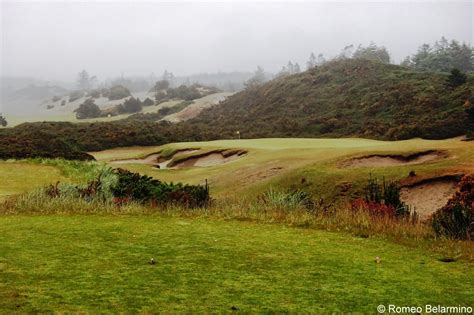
{"x": 20, "y": 177}
{"x": 100, "y": 263}
{"x": 345, "y": 98}
{"x": 316, "y": 160}
{"x": 313, "y": 159}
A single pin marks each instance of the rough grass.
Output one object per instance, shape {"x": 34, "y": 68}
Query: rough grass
{"x": 273, "y": 209}
{"x": 101, "y": 264}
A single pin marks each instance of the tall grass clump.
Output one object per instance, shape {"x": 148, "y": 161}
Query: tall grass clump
{"x": 382, "y": 199}
{"x": 287, "y": 200}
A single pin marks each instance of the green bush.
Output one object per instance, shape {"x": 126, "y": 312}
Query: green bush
{"x": 187, "y": 93}
{"x": 135, "y": 187}
{"x": 131, "y": 105}
{"x": 3, "y": 121}
{"x": 386, "y": 193}
{"x": 456, "y": 78}
{"x": 75, "y": 95}
{"x": 118, "y": 92}
{"x": 148, "y": 102}
{"x": 88, "y": 109}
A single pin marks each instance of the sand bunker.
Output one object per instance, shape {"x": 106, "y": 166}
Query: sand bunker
{"x": 429, "y": 195}
{"x": 180, "y": 159}
{"x": 379, "y": 160}
{"x": 205, "y": 159}
{"x": 155, "y": 159}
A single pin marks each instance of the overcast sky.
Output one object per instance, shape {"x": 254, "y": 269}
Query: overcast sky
{"x": 55, "y": 40}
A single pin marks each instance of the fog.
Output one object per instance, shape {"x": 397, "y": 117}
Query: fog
{"x": 55, "y": 40}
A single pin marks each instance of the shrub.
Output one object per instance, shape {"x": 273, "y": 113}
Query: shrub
{"x": 97, "y": 189}
{"x": 375, "y": 209}
{"x": 161, "y": 97}
{"x": 75, "y": 95}
{"x": 3, "y": 121}
{"x": 135, "y": 187}
{"x": 148, "y": 102}
{"x": 382, "y": 199}
{"x": 131, "y": 105}
{"x": 118, "y": 92}
{"x": 56, "y": 98}
{"x": 160, "y": 86}
{"x": 187, "y": 93}
{"x": 95, "y": 93}
{"x": 456, "y": 78}
{"x": 456, "y": 218}
{"x": 88, "y": 109}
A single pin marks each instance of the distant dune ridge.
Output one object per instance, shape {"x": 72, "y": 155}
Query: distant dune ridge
{"x": 347, "y": 98}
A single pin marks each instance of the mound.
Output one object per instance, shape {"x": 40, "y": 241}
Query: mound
{"x": 346, "y": 98}
{"x": 429, "y": 195}
{"x": 379, "y": 160}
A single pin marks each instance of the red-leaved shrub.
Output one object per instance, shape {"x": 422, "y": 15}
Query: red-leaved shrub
{"x": 456, "y": 218}
{"x": 375, "y": 209}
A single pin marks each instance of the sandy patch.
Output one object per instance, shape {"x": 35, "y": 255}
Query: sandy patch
{"x": 429, "y": 195}
{"x": 197, "y": 107}
{"x": 155, "y": 159}
{"x": 378, "y": 160}
{"x": 209, "y": 159}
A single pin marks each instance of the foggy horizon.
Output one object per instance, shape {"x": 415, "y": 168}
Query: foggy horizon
{"x": 139, "y": 39}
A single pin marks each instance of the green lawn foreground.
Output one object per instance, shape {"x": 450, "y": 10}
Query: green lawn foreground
{"x": 101, "y": 263}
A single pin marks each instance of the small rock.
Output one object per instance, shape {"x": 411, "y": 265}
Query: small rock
{"x": 378, "y": 260}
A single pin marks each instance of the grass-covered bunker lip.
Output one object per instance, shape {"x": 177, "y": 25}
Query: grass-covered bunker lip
{"x": 383, "y": 160}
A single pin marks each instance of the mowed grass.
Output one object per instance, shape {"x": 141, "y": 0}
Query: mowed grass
{"x": 100, "y": 264}
{"x": 285, "y": 162}
{"x": 16, "y": 178}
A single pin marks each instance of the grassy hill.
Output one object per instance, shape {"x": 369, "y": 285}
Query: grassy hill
{"x": 346, "y": 98}
{"x": 356, "y": 98}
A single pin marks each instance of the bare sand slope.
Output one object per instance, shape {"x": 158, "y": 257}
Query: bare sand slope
{"x": 203, "y": 159}
{"x": 211, "y": 158}
{"x": 429, "y": 195}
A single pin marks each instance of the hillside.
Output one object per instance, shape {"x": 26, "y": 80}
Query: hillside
{"x": 342, "y": 98}
{"x": 346, "y": 98}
